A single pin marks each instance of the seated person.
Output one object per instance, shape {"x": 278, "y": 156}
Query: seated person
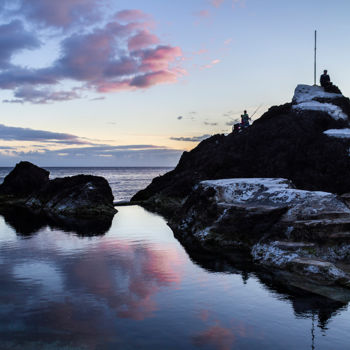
{"x": 325, "y": 80}
{"x": 326, "y": 83}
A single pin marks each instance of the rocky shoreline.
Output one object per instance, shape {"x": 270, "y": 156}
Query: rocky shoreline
{"x": 278, "y": 191}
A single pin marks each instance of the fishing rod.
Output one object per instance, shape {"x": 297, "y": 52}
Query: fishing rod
{"x": 256, "y": 111}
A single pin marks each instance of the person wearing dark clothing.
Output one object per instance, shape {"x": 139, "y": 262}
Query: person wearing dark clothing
{"x": 325, "y": 80}
{"x": 245, "y": 120}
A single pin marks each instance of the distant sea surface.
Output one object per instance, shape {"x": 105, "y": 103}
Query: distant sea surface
{"x": 124, "y": 181}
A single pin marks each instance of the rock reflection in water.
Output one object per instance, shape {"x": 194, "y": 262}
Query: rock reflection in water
{"x": 135, "y": 287}
{"x": 305, "y": 304}
{"x": 27, "y": 222}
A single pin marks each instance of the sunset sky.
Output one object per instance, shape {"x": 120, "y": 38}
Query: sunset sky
{"x": 135, "y": 83}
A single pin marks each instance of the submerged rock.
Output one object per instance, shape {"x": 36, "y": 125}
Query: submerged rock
{"x": 78, "y": 196}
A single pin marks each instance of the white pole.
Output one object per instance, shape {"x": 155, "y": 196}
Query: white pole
{"x": 315, "y": 57}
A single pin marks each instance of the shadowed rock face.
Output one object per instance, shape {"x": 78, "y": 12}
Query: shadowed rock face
{"x": 286, "y": 142}
{"x": 24, "y": 179}
{"x": 77, "y": 196}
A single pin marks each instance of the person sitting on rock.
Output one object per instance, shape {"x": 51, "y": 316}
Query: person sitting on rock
{"x": 325, "y": 80}
{"x": 327, "y": 85}
{"x": 245, "y": 120}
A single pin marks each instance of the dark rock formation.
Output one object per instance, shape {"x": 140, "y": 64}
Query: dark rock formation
{"x": 286, "y": 142}
{"x": 24, "y": 179}
{"x": 81, "y": 195}
{"x": 289, "y": 227}
{"x": 305, "y": 233}
{"x": 78, "y": 196}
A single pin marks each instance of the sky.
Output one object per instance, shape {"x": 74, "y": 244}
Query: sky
{"x": 136, "y": 83}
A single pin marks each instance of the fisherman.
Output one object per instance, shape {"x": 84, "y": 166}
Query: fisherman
{"x": 325, "y": 80}
{"x": 245, "y": 120}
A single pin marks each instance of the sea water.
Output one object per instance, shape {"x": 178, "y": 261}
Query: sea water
{"x": 134, "y": 286}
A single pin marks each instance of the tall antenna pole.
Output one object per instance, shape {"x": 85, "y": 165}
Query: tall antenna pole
{"x": 315, "y": 57}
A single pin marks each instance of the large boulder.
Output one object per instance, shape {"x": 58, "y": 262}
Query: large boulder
{"x": 80, "y": 196}
{"x": 288, "y": 141}
{"x": 303, "y": 232}
{"x": 24, "y": 179}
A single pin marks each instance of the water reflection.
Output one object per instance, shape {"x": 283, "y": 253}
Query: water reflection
{"x": 305, "y": 304}
{"x": 26, "y": 222}
{"x": 136, "y": 288}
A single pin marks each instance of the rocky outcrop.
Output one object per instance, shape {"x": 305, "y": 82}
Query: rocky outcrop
{"x": 303, "y": 232}
{"x": 81, "y": 195}
{"x": 270, "y": 190}
{"x": 78, "y": 196}
{"x": 24, "y": 179}
{"x": 288, "y": 141}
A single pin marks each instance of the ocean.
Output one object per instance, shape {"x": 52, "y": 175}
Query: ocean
{"x": 124, "y": 182}
{"x": 134, "y": 286}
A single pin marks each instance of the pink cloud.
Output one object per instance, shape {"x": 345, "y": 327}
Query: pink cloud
{"x": 158, "y": 58}
{"x": 217, "y": 3}
{"x": 111, "y": 58}
{"x": 142, "y": 40}
{"x": 203, "y": 13}
{"x": 220, "y": 337}
{"x": 154, "y": 78}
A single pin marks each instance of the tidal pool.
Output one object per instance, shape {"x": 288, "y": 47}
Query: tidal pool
{"x": 133, "y": 286}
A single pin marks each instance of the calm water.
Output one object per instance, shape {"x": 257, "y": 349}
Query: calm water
{"x": 133, "y": 286}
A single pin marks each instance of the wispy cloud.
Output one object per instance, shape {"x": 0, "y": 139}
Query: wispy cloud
{"x": 211, "y": 64}
{"x": 104, "y": 155}
{"x": 191, "y": 139}
{"x": 10, "y": 133}
{"x": 216, "y": 3}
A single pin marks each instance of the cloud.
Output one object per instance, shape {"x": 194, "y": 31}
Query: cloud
{"x": 62, "y": 13}
{"x": 30, "y": 94}
{"x": 232, "y": 122}
{"x": 13, "y": 39}
{"x": 179, "y": 117}
{"x": 220, "y": 337}
{"x": 142, "y": 40}
{"x": 217, "y": 3}
{"x": 117, "y": 56}
{"x": 10, "y": 133}
{"x": 210, "y": 124}
{"x": 211, "y": 64}
{"x": 132, "y": 15}
{"x": 104, "y": 155}
{"x": 191, "y": 139}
